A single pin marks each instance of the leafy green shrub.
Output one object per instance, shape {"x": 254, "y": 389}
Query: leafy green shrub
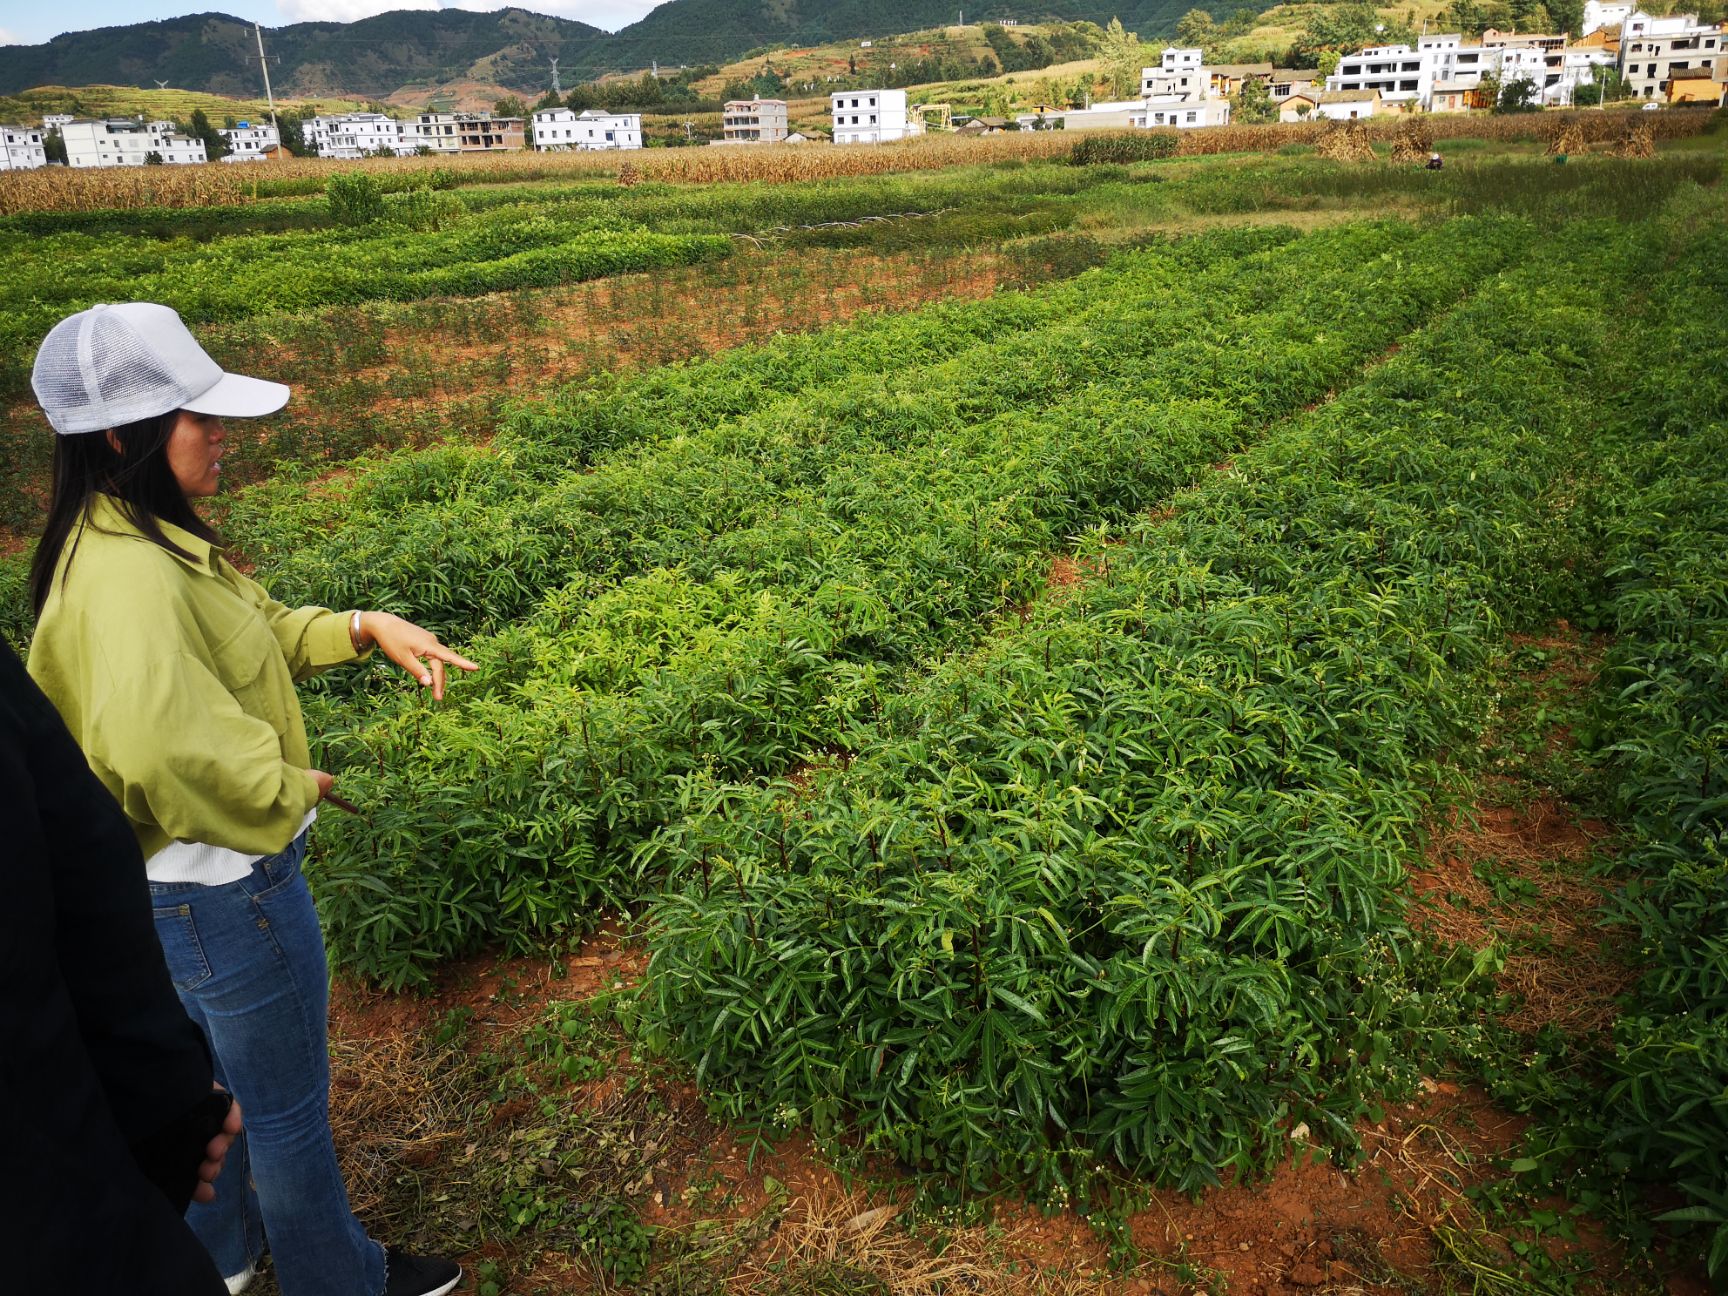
{"x": 424, "y": 209}
{"x": 354, "y": 198}
{"x": 1137, "y": 146}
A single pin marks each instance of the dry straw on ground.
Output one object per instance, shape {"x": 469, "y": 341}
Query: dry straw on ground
{"x": 1346, "y": 142}
{"x": 1567, "y": 140}
{"x": 1638, "y": 141}
{"x": 1413, "y": 140}
{"x": 848, "y": 1245}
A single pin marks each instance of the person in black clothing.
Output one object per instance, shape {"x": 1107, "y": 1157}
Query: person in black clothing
{"x": 113, "y": 1122}
{"x": 1434, "y": 162}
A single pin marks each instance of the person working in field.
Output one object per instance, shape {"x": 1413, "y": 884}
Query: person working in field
{"x": 175, "y": 673}
{"x": 1434, "y": 161}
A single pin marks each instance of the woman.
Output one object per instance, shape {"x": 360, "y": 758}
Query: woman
{"x": 176, "y": 675}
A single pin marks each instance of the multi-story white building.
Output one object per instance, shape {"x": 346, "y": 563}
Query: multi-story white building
{"x": 22, "y": 148}
{"x": 356, "y": 135}
{"x": 1404, "y": 77}
{"x": 871, "y": 117}
{"x": 435, "y": 131}
{"x": 561, "y": 130}
{"x": 125, "y": 141}
{"x": 1650, "y": 56}
{"x": 753, "y": 121}
{"x": 1179, "y": 71}
{"x": 250, "y": 143}
{"x": 1407, "y": 78}
{"x": 1180, "y": 92}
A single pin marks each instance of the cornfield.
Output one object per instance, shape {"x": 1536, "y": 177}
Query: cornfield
{"x": 57, "y": 189}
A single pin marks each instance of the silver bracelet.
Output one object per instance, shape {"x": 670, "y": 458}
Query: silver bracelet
{"x": 354, "y": 632}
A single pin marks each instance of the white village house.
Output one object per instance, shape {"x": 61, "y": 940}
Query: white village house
{"x": 872, "y": 117}
{"x": 249, "y": 142}
{"x": 1653, "y": 49}
{"x": 563, "y": 130}
{"x": 126, "y": 141}
{"x": 22, "y": 148}
{"x": 1178, "y": 93}
{"x": 356, "y": 135}
{"x": 1407, "y": 78}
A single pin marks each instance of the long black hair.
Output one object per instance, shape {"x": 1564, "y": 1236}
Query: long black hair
{"x": 137, "y": 476}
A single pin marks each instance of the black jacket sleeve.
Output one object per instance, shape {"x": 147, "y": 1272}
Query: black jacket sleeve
{"x": 97, "y": 1057}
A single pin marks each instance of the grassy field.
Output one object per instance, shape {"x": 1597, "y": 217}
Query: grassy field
{"x": 165, "y": 105}
{"x": 1044, "y": 728}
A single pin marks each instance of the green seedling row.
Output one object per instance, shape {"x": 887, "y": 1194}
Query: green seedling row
{"x": 515, "y": 810}
{"x": 44, "y": 279}
{"x": 465, "y": 537}
{"x": 1662, "y": 739}
{"x": 1124, "y": 885}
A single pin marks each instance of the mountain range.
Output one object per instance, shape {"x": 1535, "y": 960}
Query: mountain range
{"x": 376, "y": 57}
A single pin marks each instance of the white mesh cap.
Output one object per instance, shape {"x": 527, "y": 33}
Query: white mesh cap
{"x": 112, "y": 365}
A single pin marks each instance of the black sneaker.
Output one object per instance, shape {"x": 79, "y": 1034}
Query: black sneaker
{"x": 412, "y": 1275}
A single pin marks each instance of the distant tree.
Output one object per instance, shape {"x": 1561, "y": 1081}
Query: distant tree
{"x": 548, "y": 100}
{"x": 54, "y": 146}
{"x": 293, "y": 133}
{"x": 510, "y": 106}
{"x": 1326, "y": 63}
{"x": 1253, "y": 104}
{"x": 1196, "y": 27}
{"x": 1239, "y": 23}
{"x": 1466, "y": 16}
{"x": 1518, "y": 95}
{"x": 214, "y": 145}
{"x": 1347, "y": 27}
{"x": 1122, "y": 60}
{"x": 152, "y": 158}
{"x": 1566, "y": 15}
{"x": 1497, "y": 14}
{"x": 1605, "y": 83}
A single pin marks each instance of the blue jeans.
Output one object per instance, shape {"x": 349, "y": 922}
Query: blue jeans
{"x": 248, "y": 960}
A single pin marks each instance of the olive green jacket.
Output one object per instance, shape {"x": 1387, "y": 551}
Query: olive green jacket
{"x": 176, "y": 676}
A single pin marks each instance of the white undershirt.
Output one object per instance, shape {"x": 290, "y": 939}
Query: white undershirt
{"x": 208, "y": 865}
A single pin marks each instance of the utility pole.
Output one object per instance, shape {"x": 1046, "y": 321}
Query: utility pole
{"x": 268, "y": 94}
{"x": 556, "y": 88}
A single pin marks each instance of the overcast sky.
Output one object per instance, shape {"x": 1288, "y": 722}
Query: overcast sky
{"x": 23, "y": 23}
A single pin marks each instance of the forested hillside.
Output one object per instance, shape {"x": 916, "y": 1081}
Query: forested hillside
{"x": 376, "y": 57}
